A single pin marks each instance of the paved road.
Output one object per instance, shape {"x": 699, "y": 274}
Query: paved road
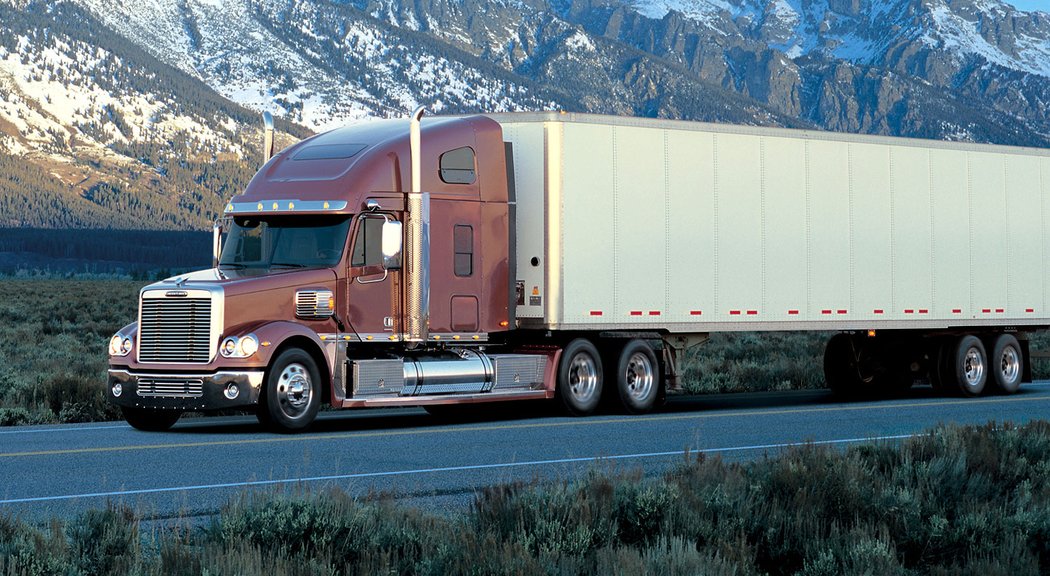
{"x": 203, "y": 462}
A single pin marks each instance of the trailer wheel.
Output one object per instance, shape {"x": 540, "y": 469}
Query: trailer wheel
{"x": 1007, "y": 364}
{"x": 638, "y": 378}
{"x": 841, "y": 368}
{"x": 149, "y": 419}
{"x": 580, "y": 378}
{"x": 966, "y": 369}
{"x": 292, "y": 394}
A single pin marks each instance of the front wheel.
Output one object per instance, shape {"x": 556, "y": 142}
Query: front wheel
{"x": 149, "y": 419}
{"x": 293, "y": 392}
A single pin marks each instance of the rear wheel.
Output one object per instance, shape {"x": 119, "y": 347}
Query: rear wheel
{"x": 1006, "y": 363}
{"x": 966, "y": 368}
{"x": 580, "y": 378}
{"x": 149, "y": 419}
{"x": 638, "y": 377}
{"x": 293, "y": 392}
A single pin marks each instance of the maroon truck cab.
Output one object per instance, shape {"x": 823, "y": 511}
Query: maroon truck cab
{"x": 329, "y": 288}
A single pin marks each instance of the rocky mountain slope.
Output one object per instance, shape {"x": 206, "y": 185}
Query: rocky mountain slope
{"x": 144, "y": 113}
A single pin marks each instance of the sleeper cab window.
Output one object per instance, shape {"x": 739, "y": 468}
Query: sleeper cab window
{"x": 368, "y": 245}
{"x": 463, "y": 242}
{"x": 457, "y": 166}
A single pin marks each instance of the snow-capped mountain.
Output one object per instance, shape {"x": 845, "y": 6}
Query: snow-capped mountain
{"x": 148, "y": 109}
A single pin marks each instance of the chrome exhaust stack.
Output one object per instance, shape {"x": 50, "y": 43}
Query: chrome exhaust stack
{"x": 267, "y": 137}
{"x": 418, "y": 299}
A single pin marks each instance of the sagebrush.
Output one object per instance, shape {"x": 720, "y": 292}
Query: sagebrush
{"x": 956, "y": 500}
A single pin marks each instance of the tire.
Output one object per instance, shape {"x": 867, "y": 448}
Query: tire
{"x": 840, "y": 368}
{"x": 638, "y": 378}
{"x": 292, "y": 394}
{"x": 1007, "y": 364}
{"x": 150, "y": 420}
{"x": 966, "y": 368}
{"x": 580, "y": 378}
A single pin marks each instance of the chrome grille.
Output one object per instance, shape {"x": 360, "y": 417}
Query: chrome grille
{"x": 171, "y": 388}
{"x": 175, "y": 330}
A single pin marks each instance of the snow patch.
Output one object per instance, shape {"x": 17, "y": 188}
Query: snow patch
{"x": 954, "y": 33}
{"x": 579, "y": 42}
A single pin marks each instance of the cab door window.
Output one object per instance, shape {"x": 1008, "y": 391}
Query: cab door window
{"x": 368, "y": 244}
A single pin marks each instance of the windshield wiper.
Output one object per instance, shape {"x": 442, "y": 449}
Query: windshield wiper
{"x": 287, "y": 264}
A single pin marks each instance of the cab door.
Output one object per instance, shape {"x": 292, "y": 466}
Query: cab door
{"x": 372, "y": 290}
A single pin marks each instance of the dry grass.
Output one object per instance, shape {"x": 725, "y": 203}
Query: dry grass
{"x": 53, "y": 340}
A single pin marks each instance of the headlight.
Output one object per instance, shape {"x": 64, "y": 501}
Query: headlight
{"x": 239, "y": 347}
{"x": 119, "y": 345}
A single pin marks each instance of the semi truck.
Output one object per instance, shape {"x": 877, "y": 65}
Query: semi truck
{"x": 448, "y": 261}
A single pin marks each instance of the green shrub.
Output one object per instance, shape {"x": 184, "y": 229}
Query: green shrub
{"x": 958, "y": 500}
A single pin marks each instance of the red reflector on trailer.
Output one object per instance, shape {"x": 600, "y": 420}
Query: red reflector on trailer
{"x": 752, "y": 312}
{"x": 825, "y": 311}
{"x": 924, "y": 311}
{"x": 1029, "y": 310}
{"x": 793, "y": 312}
{"x": 654, "y": 312}
{"x": 999, "y": 310}
{"x": 596, "y": 312}
{"x": 734, "y": 312}
{"x": 986, "y": 310}
{"x": 696, "y": 312}
{"x": 909, "y": 311}
{"x": 842, "y": 311}
{"x": 957, "y": 311}
{"x": 636, "y": 312}
{"x": 878, "y": 311}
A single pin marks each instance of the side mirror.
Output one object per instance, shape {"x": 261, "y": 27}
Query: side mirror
{"x": 392, "y": 240}
{"x": 216, "y": 243}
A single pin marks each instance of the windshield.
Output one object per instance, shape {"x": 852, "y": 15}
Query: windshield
{"x": 285, "y": 242}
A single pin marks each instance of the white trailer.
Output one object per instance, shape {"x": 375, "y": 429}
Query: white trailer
{"x": 926, "y": 256}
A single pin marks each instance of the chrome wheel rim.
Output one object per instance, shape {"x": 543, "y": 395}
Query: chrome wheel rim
{"x": 1009, "y": 365}
{"x": 973, "y": 367}
{"x": 639, "y": 377}
{"x": 583, "y": 378}
{"x": 294, "y": 390}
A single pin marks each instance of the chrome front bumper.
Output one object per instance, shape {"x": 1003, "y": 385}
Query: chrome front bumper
{"x": 184, "y": 391}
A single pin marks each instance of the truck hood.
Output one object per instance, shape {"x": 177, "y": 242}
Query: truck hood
{"x": 250, "y": 280}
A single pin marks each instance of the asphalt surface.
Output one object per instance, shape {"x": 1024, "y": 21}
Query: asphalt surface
{"x": 202, "y": 463}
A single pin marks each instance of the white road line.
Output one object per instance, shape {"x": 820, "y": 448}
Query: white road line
{"x": 77, "y": 429}
{"x": 446, "y": 469}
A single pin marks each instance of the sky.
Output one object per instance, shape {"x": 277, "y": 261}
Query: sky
{"x": 1043, "y": 5}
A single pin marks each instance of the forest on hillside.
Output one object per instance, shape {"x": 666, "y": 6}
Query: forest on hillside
{"x": 137, "y": 254}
